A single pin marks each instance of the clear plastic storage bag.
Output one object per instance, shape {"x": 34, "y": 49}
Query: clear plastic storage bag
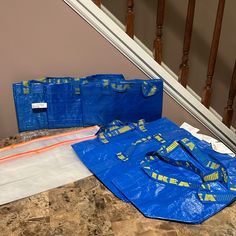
{"x": 41, "y": 164}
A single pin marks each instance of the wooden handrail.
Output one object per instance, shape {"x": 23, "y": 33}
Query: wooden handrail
{"x": 159, "y": 26}
{"x": 130, "y": 18}
{"x": 184, "y": 67}
{"x": 98, "y": 2}
{"x": 206, "y": 98}
{"x": 228, "y": 111}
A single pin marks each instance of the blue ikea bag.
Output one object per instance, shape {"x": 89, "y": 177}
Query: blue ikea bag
{"x": 26, "y": 95}
{"x": 47, "y": 103}
{"x": 185, "y": 181}
{"x": 97, "y": 154}
{"x": 35, "y": 100}
{"x": 127, "y": 101}
{"x": 121, "y": 147}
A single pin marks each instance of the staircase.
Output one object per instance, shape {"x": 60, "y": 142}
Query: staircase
{"x": 123, "y": 38}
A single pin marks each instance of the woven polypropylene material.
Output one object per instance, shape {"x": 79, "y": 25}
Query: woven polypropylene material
{"x": 62, "y": 96}
{"x": 164, "y": 191}
{"x": 29, "y": 119}
{"x": 127, "y": 101}
{"x": 101, "y": 158}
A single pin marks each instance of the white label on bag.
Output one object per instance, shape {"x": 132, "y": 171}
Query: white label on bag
{"x": 39, "y": 105}
{"x": 216, "y": 145}
{"x": 189, "y": 128}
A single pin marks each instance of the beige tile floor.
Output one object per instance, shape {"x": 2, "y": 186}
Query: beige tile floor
{"x": 86, "y": 208}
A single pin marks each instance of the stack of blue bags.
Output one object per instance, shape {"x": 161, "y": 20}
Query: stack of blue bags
{"x": 163, "y": 170}
{"x": 60, "y": 102}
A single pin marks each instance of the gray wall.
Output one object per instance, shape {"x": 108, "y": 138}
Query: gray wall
{"x": 46, "y": 38}
{"x": 174, "y": 24}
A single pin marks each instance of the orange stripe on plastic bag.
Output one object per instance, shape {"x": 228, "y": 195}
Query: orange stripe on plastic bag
{"x": 47, "y": 148}
{"x": 47, "y": 137}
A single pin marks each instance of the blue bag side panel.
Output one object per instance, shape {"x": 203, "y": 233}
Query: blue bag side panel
{"x": 98, "y": 104}
{"x": 133, "y": 105}
{"x": 103, "y": 104}
{"x": 64, "y": 105}
{"x": 28, "y": 118}
{"x": 96, "y": 83}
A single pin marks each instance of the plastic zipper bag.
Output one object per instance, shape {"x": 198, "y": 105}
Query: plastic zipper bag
{"x": 41, "y": 164}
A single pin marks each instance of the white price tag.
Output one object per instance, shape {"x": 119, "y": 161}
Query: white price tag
{"x": 39, "y": 105}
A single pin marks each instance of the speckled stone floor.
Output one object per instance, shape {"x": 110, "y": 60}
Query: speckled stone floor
{"x": 86, "y": 207}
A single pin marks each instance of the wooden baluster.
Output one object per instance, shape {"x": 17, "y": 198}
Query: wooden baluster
{"x": 228, "y": 112}
{"x": 159, "y": 25}
{"x": 206, "y": 98}
{"x": 184, "y": 67}
{"x": 130, "y": 18}
{"x": 98, "y": 2}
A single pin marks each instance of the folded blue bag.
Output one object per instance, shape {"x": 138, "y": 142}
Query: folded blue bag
{"x": 60, "y": 102}
{"x": 52, "y": 102}
{"x": 127, "y": 101}
{"x": 47, "y": 103}
{"x": 30, "y": 105}
{"x": 122, "y": 147}
{"x": 182, "y": 181}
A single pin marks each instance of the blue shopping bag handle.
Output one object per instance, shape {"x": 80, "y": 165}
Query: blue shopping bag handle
{"x": 115, "y": 124}
{"x": 148, "y": 88}
{"x": 52, "y": 81}
{"x": 124, "y": 156}
{"x": 26, "y": 85}
{"x": 45, "y": 80}
{"x": 203, "y": 189}
{"x": 120, "y": 87}
{"x": 59, "y": 80}
{"x": 119, "y": 128}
